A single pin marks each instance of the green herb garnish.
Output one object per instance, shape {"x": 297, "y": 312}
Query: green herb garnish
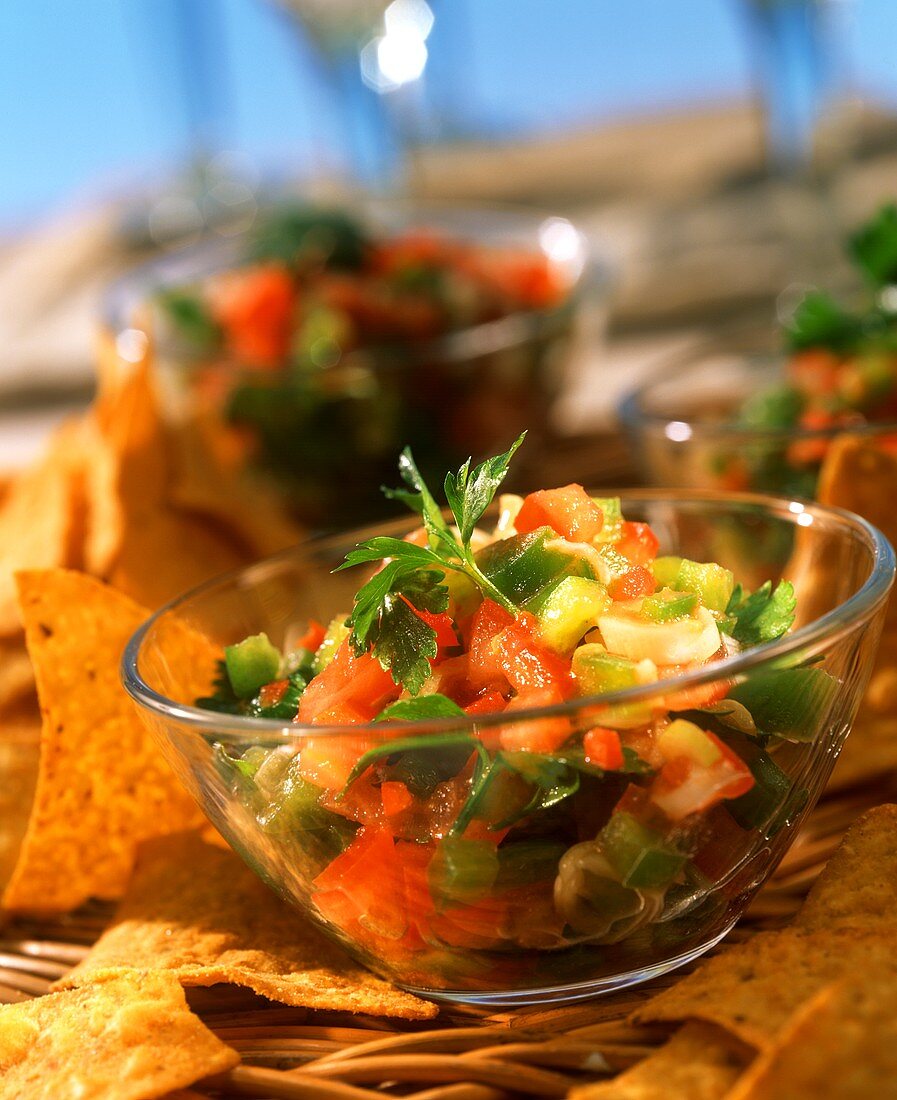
{"x": 383, "y": 618}
{"x": 763, "y": 615}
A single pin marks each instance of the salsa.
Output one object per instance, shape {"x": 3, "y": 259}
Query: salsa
{"x": 840, "y": 372}
{"x": 326, "y": 340}
{"x": 518, "y": 814}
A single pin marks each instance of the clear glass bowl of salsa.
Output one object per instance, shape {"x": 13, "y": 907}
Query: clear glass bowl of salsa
{"x": 466, "y": 857}
{"x": 313, "y": 346}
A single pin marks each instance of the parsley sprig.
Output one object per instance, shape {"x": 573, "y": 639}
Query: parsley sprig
{"x": 762, "y": 616}
{"x": 383, "y": 619}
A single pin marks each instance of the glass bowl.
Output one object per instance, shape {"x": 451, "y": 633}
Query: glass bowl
{"x": 328, "y": 434}
{"x": 682, "y": 423}
{"x": 534, "y": 915}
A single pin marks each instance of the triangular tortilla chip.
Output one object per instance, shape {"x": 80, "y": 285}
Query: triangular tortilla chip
{"x": 103, "y": 784}
{"x": 699, "y": 1062}
{"x": 41, "y": 520}
{"x": 131, "y": 1038}
{"x": 197, "y": 911}
{"x": 842, "y": 1045}
{"x": 19, "y": 752}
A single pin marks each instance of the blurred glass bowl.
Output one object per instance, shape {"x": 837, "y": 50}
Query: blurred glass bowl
{"x": 329, "y": 435}
{"x": 551, "y": 920}
{"x": 682, "y": 422}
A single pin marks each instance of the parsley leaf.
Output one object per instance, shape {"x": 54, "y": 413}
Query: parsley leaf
{"x": 470, "y": 494}
{"x": 818, "y": 321}
{"x": 382, "y": 620}
{"x": 413, "y": 710}
{"x": 873, "y": 247}
{"x": 763, "y": 615}
{"x": 223, "y": 698}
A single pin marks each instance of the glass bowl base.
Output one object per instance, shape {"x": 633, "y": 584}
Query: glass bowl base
{"x": 566, "y": 994}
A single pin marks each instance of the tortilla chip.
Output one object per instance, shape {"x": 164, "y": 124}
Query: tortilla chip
{"x": 16, "y": 674}
{"x": 754, "y": 988}
{"x": 130, "y": 1038}
{"x": 103, "y": 784}
{"x": 202, "y": 485}
{"x": 19, "y": 752}
{"x": 40, "y": 521}
{"x": 842, "y": 1046}
{"x": 699, "y": 1062}
{"x": 197, "y": 911}
{"x": 858, "y": 886}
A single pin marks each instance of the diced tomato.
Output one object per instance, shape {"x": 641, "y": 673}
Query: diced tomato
{"x": 487, "y": 702}
{"x": 526, "y": 663}
{"x": 635, "y": 582}
{"x": 418, "y": 537}
{"x": 693, "y": 698}
{"x": 328, "y": 761}
{"x": 637, "y": 542}
{"x": 446, "y": 638}
{"x": 602, "y": 748}
{"x": 360, "y": 684}
{"x": 815, "y": 371}
{"x": 807, "y": 452}
{"x": 254, "y": 306}
{"x": 735, "y": 476}
{"x": 569, "y": 510}
{"x": 536, "y": 734}
{"x": 396, "y": 798}
{"x": 684, "y": 787}
{"x": 450, "y": 677}
{"x": 272, "y": 693}
{"x": 488, "y": 622}
{"x": 313, "y": 637}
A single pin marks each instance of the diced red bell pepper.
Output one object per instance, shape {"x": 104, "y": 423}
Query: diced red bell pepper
{"x": 525, "y": 662}
{"x": 446, "y": 637}
{"x": 536, "y": 734}
{"x": 272, "y": 693}
{"x": 634, "y": 583}
{"x": 569, "y": 510}
{"x": 254, "y": 307}
{"x": 637, "y": 542}
{"x": 396, "y": 798}
{"x": 313, "y": 637}
{"x": 489, "y": 620}
{"x": 359, "y": 683}
{"x": 602, "y": 748}
{"x": 488, "y": 702}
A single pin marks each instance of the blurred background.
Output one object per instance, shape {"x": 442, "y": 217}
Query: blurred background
{"x": 713, "y": 152}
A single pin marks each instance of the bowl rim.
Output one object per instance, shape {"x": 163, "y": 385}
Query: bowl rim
{"x": 832, "y": 626}
{"x": 635, "y": 417}
{"x": 131, "y": 292}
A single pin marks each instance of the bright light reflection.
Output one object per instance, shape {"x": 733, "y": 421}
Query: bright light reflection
{"x": 678, "y": 431}
{"x": 796, "y": 507}
{"x": 805, "y": 520}
{"x": 400, "y": 55}
{"x": 559, "y": 240}
{"x": 130, "y": 345}
{"x": 409, "y": 17}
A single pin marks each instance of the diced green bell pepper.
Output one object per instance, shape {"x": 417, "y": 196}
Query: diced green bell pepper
{"x": 712, "y": 584}
{"x": 566, "y": 608}
{"x": 335, "y": 635}
{"x": 598, "y": 672}
{"x": 523, "y": 565}
{"x": 528, "y": 861}
{"x": 639, "y": 855}
{"x": 251, "y": 663}
{"x": 666, "y": 605}
{"x": 295, "y": 811}
{"x": 462, "y": 870}
{"x": 769, "y": 791}
{"x": 666, "y": 570}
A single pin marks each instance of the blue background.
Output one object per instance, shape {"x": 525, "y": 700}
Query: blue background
{"x": 93, "y": 98}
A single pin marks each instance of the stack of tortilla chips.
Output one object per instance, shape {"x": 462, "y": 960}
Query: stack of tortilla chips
{"x": 123, "y": 513}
